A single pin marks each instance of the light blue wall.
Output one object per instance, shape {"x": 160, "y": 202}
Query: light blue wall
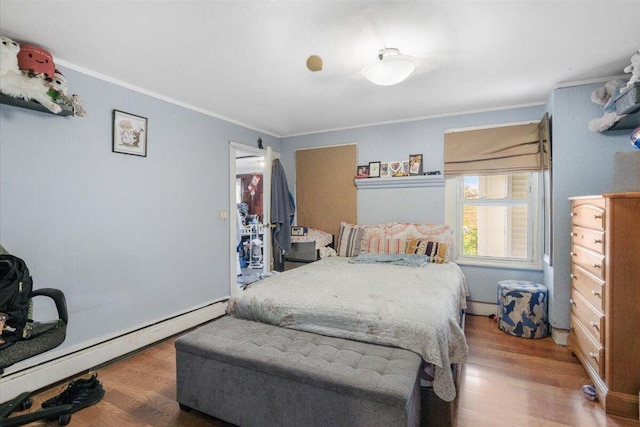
{"x": 130, "y": 240}
{"x": 583, "y": 164}
{"x": 396, "y": 142}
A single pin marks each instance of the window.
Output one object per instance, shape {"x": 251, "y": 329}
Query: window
{"x": 497, "y": 216}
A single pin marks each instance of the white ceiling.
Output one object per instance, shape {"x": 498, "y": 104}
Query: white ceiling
{"x": 244, "y": 61}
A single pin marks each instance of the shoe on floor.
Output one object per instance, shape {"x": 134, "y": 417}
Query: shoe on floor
{"x": 79, "y": 393}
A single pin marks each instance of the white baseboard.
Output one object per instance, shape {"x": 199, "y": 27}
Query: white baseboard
{"x": 56, "y": 370}
{"x": 479, "y": 308}
{"x": 560, "y": 336}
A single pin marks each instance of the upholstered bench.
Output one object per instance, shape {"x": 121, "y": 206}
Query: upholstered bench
{"x": 254, "y": 374}
{"x": 522, "y": 308}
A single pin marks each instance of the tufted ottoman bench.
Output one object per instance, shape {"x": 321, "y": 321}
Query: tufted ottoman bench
{"x": 254, "y": 374}
{"x": 522, "y": 308}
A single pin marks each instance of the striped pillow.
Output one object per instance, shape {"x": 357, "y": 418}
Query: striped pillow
{"x": 436, "y": 251}
{"x": 349, "y": 240}
{"x": 386, "y": 246}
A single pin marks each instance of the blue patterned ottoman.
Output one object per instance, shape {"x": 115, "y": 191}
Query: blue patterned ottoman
{"x": 522, "y": 308}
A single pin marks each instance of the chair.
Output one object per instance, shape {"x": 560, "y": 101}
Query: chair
{"x": 45, "y": 336}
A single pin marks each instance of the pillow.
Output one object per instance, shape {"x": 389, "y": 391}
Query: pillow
{"x": 433, "y": 232}
{"x": 386, "y": 246}
{"x": 436, "y": 251}
{"x": 375, "y": 231}
{"x": 349, "y": 239}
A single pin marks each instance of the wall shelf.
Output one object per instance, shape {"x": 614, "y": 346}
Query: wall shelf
{"x": 33, "y": 105}
{"x": 400, "y": 182}
{"x": 632, "y": 121}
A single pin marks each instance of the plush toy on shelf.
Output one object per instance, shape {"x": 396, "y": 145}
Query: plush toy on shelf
{"x": 58, "y": 93}
{"x": 18, "y": 84}
{"x": 605, "y": 95}
{"x": 634, "y": 69}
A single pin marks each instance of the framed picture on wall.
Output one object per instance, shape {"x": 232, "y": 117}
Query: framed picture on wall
{"x": 374, "y": 169}
{"x": 415, "y": 164}
{"x": 129, "y": 134}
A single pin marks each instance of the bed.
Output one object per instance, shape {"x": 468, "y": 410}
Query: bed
{"x": 408, "y": 301}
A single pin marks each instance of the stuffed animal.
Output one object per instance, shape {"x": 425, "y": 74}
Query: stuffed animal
{"x": 58, "y": 86}
{"x": 634, "y": 69}
{"x": 17, "y": 84}
{"x": 36, "y": 61}
{"x": 605, "y": 95}
{"x": 8, "y": 55}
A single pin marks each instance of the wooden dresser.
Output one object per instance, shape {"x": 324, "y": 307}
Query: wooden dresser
{"x": 605, "y": 296}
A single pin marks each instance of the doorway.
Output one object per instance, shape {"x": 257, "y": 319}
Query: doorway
{"x": 250, "y": 202}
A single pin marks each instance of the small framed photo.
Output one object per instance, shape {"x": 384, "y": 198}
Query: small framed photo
{"x": 363, "y": 171}
{"x": 405, "y": 168}
{"x": 384, "y": 170}
{"x": 298, "y": 231}
{"x": 374, "y": 169}
{"x": 129, "y": 134}
{"x": 415, "y": 164}
{"x": 395, "y": 168}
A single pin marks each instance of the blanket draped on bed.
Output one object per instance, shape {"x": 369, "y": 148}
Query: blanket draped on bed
{"x": 415, "y": 308}
{"x": 407, "y": 260}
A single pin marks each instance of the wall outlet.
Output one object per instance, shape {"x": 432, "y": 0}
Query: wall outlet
{"x": 223, "y": 215}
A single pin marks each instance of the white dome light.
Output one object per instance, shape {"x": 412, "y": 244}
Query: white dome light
{"x": 390, "y": 68}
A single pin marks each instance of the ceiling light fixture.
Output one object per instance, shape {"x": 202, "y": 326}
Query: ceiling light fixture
{"x": 390, "y": 68}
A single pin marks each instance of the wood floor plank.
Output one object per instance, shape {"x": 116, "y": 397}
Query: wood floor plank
{"x": 507, "y": 381}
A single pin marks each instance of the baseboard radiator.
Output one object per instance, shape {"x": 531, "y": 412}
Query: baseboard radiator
{"x": 15, "y": 380}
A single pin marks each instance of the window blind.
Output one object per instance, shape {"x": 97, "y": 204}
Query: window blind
{"x": 494, "y": 150}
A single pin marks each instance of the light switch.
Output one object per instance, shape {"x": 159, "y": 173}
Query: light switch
{"x": 223, "y": 215}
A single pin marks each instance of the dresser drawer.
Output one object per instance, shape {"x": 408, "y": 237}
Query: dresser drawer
{"x": 588, "y": 213}
{"x": 593, "y": 351}
{"x": 590, "y": 239}
{"x": 591, "y": 319}
{"x": 590, "y": 288}
{"x": 591, "y": 261}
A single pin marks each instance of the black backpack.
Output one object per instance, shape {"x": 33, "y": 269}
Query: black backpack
{"x": 15, "y": 294}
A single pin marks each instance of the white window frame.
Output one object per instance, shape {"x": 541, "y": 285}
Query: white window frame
{"x": 454, "y": 212}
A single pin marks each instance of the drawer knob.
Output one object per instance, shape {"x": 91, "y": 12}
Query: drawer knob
{"x": 572, "y": 302}
{"x": 594, "y": 265}
{"x": 573, "y": 234}
{"x": 573, "y": 254}
{"x": 596, "y": 293}
{"x": 597, "y": 216}
{"x": 593, "y": 355}
{"x": 573, "y": 277}
{"x": 597, "y": 240}
{"x": 573, "y": 214}
{"x": 593, "y": 325}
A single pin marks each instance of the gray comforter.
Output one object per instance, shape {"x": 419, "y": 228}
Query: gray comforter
{"x": 415, "y": 308}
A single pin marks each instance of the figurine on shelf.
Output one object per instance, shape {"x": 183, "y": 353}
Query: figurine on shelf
{"x": 634, "y": 69}
{"x": 58, "y": 93}
{"x": 78, "y": 108}
{"x": 605, "y": 96}
{"x": 15, "y": 83}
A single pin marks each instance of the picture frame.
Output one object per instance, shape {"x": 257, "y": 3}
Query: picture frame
{"x": 129, "y": 134}
{"x": 405, "y": 168}
{"x": 395, "y": 168}
{"x": 374, "y": 169}
{"x": 415, "y": 164}
{"x": 362, "y": 171}
{"x": 298, "y": 231}
{"x": 384, "y": 170}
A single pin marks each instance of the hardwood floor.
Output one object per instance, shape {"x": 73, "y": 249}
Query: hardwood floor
{"x": 507, "y": 381}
